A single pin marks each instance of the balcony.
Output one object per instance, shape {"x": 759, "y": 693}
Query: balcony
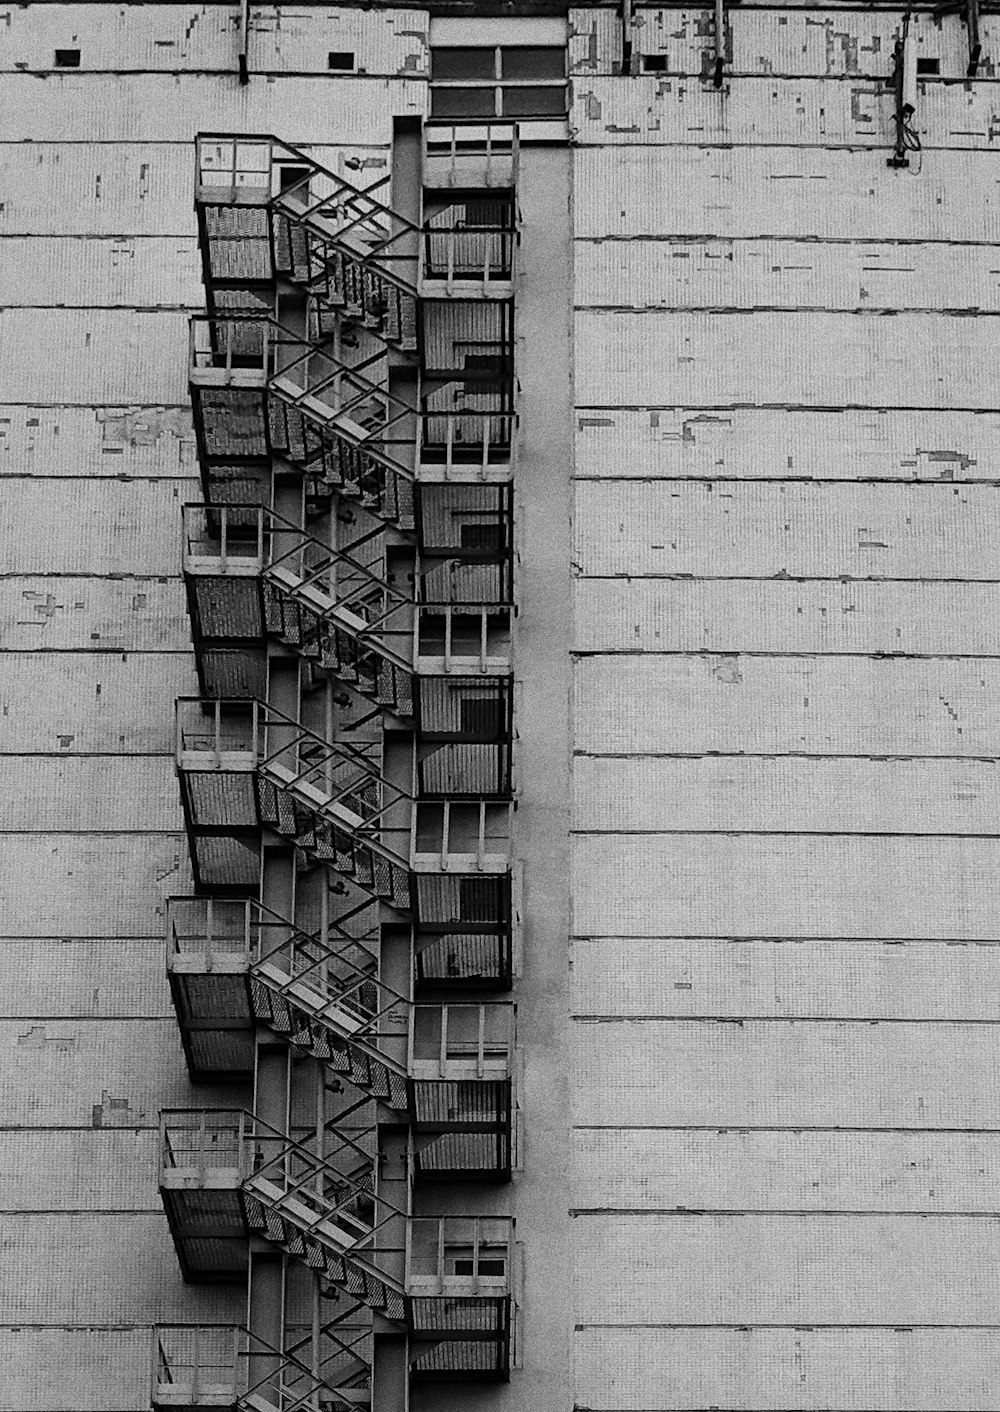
{"x": 203, "y": 1160}
{"x": 460, "y": 1280}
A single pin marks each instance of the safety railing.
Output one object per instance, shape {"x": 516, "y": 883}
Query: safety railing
{"x": 470, "y": 156}
{"x": 460, "y": 1255}
{"x": 461, "y": 836}
{"x": 207, "y": 934}
{"x": 470, "y": 240}
{"x": 341, "y": 782}
{"x": 197, "y": 1365}
{"x": 225, "y": 1366}
{"x": 257, "y": 344}
{"x": 457, "y": 442}
{"x": 334, "y": 419}
{"x": 336, "y": 975}
{"x": 207, "y": 931}
{"x": 233, "y": 540}
{"x": 461, "y": 1041}
{"x": 465, "y": 637}
{"x": 332, "y": 1193}
{"x": 206, "y": 1146}
{"x": 216, "y": 733}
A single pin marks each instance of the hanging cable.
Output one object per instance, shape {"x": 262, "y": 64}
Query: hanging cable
{"x": 905, "y": 85}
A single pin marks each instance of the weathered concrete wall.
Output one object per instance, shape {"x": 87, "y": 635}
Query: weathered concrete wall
{"x": 785, "y": 965}
{"x": 100, "y": 271}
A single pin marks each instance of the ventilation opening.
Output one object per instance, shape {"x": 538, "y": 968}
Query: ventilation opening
{"x": 654, "y": 63}
{"x": 482, "y": 717}
{"x": 928, "y": 66}
{"x": 67, "y": 58}
{"x": 290, "y": 177}
{"x": 340, "y": 59}
{"x": 482, "y": 539}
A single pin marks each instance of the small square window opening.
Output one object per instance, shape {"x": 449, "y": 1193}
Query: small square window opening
{"x": 482, "y": 539}
{"x": 341, "y": 60}
{"x": 67, "y": 58}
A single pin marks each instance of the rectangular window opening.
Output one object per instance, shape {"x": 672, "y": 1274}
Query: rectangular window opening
{"x": 456, "y": 65}
{"x": 534, "y": 102}
{"x": 928, "y": 66}
{"x": 532, "y": 64}
{"x": 340, "y": 59}
{"x": 290, "y": 175}
{"x": 67, "y": 58}
{"x": 463, "y": 103}
{"x": 654, "y": 63}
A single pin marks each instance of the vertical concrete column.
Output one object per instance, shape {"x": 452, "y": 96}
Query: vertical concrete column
{"x": 266, "y": 1311}
{"x": 273, "y": 1066}
{"x": 390, "y": 1372}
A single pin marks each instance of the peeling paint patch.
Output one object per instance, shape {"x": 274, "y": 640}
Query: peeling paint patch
{"x": 726, "y": 668}
{"x": 38, "y": 1037}
{"x": 134, "y": 427}
{"x": 116, "y": 1113}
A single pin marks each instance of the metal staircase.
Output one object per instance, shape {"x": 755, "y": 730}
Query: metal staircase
{"x": 333, "y": 803}
{"x": 445, "y": 1279}
{"x": 355, "y": 367}
{"x": 331, "y": 800}
{"x": 251, "y": 573}
{"x": 260, "y": 389}
{"x": 444, "y": 1066}
{"x": 267, "y": 210}
{"x": 324, "y": 1209}
{"x": 323, "y": 994}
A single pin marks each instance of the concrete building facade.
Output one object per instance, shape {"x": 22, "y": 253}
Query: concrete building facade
{"x": 499, "y": 664}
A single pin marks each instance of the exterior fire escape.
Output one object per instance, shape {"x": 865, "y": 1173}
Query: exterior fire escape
{"x": 354, "y": 403}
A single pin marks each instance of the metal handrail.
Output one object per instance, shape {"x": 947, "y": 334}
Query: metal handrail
{"x": 465, "y": 1233}
{"x": 178, "y": 1361}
